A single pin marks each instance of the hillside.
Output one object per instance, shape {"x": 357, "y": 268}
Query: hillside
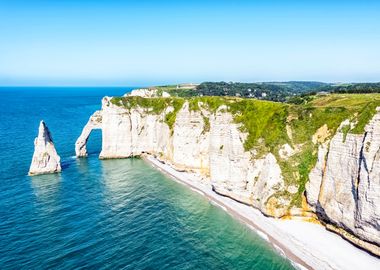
{"x": 292, "y": 92}
{"x": 352, "y": 88}
{"x": 274, "y": 91}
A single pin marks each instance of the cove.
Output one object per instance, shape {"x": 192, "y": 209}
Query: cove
{"x": 104, "y": 214}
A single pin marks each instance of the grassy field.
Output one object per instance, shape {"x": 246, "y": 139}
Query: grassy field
{"x": 175, "y": 91}
{"x": 266, "y": 124}
{"x": 362, "y": 107}
{"x": 345, "y": 100}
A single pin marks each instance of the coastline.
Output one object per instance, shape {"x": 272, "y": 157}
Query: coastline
{"x": 306, "y": 245}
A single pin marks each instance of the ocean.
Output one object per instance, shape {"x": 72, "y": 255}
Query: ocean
{"x": 104, "y": 214}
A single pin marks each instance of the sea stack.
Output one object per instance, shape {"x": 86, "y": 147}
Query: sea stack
{"x": 45, "y": 158}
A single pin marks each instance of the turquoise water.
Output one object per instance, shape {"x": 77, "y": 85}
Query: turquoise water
{"x": 112, "y": 214}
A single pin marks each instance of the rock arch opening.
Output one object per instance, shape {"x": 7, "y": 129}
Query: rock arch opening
{"x": 94, "y": 142}
{"x": 95, "y": 122}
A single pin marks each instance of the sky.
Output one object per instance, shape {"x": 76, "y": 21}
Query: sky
{"x": 129, "y": 43}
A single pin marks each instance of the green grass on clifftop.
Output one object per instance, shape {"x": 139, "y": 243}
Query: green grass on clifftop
{"x": 175, "y": 91}
{"x": 152, "y": 105}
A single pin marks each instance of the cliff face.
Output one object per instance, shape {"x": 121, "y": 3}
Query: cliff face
{"x": 130, "y": 133}
{"x": 237, "y": 174}
{"x": 343, "y": 186}
{"x": 210, "y": 144}
{"x": 45, "y": 158}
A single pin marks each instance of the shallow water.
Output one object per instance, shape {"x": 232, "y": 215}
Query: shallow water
{"x": 110, "y": 214}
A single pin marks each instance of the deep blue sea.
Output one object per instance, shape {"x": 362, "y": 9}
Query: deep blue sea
{"x": 104, "y": 214}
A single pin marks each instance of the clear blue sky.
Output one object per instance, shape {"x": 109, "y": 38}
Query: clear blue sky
{"x": 154, "y": 42}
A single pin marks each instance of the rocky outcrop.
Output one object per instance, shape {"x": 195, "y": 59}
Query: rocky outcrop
{"x": 130, "y": 133}
{"x": 207, "y": 143}
{"x": 143, "y": 92}
{"x": 237, "y": 174}
{"x": 344, "y": 186}
{"x": 45, "y": 158}
{"x": 148, "y": 93}
{"x": 95, "y": 122}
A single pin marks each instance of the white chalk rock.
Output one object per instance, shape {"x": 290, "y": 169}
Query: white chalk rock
{"x": 146, "y": 93}
{"x": 95, "y": 122}
{"x": 199, "y": 141}
{"x": 45, "y": 157}
{"x": 344, "y": 186}
{"x": 165, "y": 94}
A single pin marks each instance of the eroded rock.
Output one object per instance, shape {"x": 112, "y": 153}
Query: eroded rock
{"x": 344, "y": 186}
{"x": 45, "y": 158}
{"x": 199, "y": 141}
{"x": 95, "y": 122}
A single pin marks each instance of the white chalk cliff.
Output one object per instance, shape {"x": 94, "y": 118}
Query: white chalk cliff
{"x": 45, "y": 158}
{"x": 343, "y": 188}
{"x": 93, "y": 123}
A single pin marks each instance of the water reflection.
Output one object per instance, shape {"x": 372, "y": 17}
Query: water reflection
{"x": 118, "y": 180}
{"x": 46, "y": 186}
{"x": 82, "y": 165}
{"x": 46, "y": 189}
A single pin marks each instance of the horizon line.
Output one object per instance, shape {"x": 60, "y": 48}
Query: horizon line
{"x": 164, "y": 84}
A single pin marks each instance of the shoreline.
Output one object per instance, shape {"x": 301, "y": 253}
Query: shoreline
{"x": 306, "y": 245}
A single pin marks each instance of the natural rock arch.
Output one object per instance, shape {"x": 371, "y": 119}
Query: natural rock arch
{"x": 95, "y": 122}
